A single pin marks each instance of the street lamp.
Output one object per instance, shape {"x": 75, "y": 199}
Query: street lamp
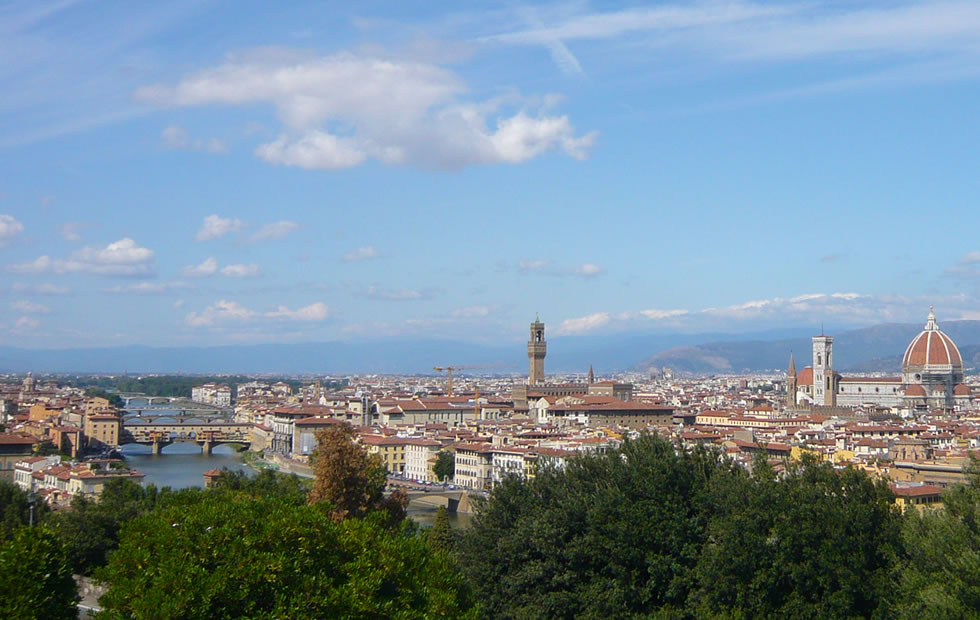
{"x": 30, "y": 500}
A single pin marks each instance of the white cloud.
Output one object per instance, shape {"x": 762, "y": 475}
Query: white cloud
{"x": 314, "y": 312}
{"x": 583, "y": 324}
{"x": 177, "y": 138}
{"x": 29, "y": 307}
{"x": 967, "y": 267}
{"x": 548, "y": 267}
{"x": 27, "y": 322}
{"x": 397, "y": 111}
{"x": 10, "y": 227}
{"x": 215, "y": 227}
{"x": 365, "y": 253}
{"x": 970, "y": 258}
{"x": 405, "y": 294}
{"x": 532, "y": 266}
{"x": 121, "y": 258}
{"x": 221, "y": 312}
{"x": 207, "y": 268}
{"x": 590, "y": 270}
{"x": 750, "y": 31}
{"x": 614, "y": 24}
{"x": 147, "y": 288}
{"x": 40, "y": 288}
{"x": 470, "y": 312}
{"x": 71, "y": 231}
{"x": 275, "y": 230}
{"x": 655, "y": 314}
{"x": 240, "y": 271}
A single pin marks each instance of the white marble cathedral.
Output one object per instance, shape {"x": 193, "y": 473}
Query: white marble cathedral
{"x": 932, "y": 377}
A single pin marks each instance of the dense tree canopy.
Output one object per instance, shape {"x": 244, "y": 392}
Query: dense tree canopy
{"x": 15, "y": 509}
{"x": 815, "y": 543}
{"x": 445, "y": 467}
{"x": 36, "y": 577}
{"x": 233, "y": 555}
{"x": 91, "y": 529}
{"x": 653, "y": 530}
{"x": 941, "y": 574}
{"x": 613, "y": 535}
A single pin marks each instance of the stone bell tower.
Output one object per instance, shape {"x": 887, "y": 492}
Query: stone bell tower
{"x": 824, "y": 378}
{"x": 537, "y": 348}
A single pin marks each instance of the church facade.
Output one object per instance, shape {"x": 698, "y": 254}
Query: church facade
{"x": 932, "y": 378}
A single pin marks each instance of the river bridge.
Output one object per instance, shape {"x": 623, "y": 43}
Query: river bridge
{"x": 129, "y": 397}
{"x": 205, "y": 434}
{"x": 180, "y": 416}
{"x": 455, "y": 500}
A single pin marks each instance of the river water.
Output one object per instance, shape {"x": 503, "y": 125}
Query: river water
{"x": 182, "y": 465}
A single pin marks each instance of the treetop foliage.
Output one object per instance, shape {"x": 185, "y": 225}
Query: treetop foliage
{"x": 232, "y": 555}
{"x": 351, "y": 480}
{"x": 650, "y": 529}
{"x": 36, "y": 577}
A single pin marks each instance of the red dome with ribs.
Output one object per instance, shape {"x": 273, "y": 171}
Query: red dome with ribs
{"x": 932, "y": 348}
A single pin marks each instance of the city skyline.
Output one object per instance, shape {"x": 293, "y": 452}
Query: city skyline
{"x": 220, "y": 175}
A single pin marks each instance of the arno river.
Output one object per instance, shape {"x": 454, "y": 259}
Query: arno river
{"x": 182, "y": 465}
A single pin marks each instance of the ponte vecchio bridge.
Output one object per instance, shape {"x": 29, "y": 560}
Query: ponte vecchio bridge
{"x": 206, "y": 434}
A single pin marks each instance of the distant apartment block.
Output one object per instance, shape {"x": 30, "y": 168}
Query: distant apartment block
{"x": 212, "y": 394}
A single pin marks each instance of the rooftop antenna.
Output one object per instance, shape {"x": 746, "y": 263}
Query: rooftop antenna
{"x": 821, "y": 328}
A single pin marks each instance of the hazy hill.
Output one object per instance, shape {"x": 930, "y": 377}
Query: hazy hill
{"x": 565, "y": 354}
{"x": 873, "y": 348}
{"x": 877, "y": 348}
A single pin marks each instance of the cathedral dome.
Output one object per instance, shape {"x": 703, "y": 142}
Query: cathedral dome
{"x": 915, "y": 390}
{"x": 932, "y": 350}
{"x": 962, "y": 389}
{"x": 805, "y": 377}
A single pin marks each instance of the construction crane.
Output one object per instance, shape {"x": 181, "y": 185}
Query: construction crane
{"x": 449, "y": 370}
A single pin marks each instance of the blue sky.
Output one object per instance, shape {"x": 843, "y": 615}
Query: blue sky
{"x": 239, "y": 172}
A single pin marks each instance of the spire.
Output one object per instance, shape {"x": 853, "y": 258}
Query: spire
{"x": 931, "y": 324}
{"x": 591, "y": 375}
{"x": 792, "y": 365}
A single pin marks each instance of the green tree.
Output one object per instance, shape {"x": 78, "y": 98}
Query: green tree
{"x": 615, "y": 535}
{"x": 91, "y": 529}
{"x": 445, "y": 467}
{"x": 816, "y": 542}
{"x": 941, "y": 575}
{"x": 233, "y": 555}
{"x": 36, "y": 577}
{"x": 440, "y": 536}
{"x": 266, "y": 483}
{"x": 15, "y": 509}
{"x": 351, "y": 480}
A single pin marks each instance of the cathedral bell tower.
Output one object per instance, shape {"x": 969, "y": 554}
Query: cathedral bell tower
{"x": 537, "y": 348}
{"x": 791, "y": 383}
{"x": 824, "y": 378}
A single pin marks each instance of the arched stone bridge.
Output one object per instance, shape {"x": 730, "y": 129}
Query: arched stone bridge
{"x": 207, "y": 435}
{"x": 150, "y": 416}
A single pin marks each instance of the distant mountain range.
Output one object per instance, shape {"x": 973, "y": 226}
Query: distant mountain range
{"x": 871, "y": 349}
{"x": 877, "y": 348}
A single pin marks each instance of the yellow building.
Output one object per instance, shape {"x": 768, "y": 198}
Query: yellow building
{"x": 96, "y": 404}
{"x": 390, "y": 449}
{"x": 102, "y": 430}
{"x": 921, "y": 496}
{"x": 41, "y": 411}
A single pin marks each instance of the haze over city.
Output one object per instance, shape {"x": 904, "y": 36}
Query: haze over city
{"x": 220, "y": 173}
